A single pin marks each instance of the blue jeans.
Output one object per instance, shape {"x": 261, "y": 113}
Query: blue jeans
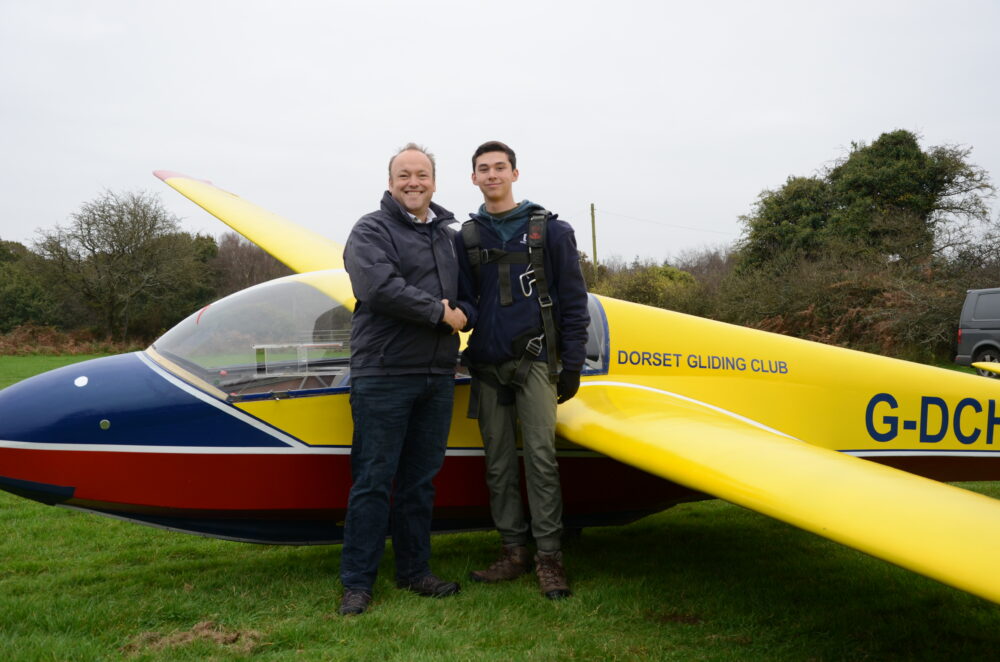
{"x": 400, "y": 436}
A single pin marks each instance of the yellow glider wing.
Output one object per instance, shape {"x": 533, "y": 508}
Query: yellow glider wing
{"x": 932, "y": 528}
{"x": 990, "y": 367}
{"x": 299, "y": 249}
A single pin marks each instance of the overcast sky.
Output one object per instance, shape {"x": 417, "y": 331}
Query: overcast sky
{"x": 671, "y": 117}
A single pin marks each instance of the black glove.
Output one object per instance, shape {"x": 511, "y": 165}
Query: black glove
{"x": 567, "y": 386}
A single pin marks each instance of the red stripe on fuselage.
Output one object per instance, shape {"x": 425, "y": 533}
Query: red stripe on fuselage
{"x": 304, "y": 482}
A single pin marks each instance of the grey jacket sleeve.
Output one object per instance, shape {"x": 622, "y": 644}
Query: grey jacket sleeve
{"x": 374, "y": 267}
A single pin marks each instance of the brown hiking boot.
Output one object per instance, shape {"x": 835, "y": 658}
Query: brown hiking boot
{"x": 551, "y": 575}
{"x": 430, "y": 586}
{"x": 513, "y": 562}
{"x": 355, "y": 602}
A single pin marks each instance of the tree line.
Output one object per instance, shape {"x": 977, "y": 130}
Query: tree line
{"x": 121, "y": 268}
{"x": 873, "y": 252}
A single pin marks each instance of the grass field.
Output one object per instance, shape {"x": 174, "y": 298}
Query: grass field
{"x": 15, "y": 368}
{"x": 702, "y": 581}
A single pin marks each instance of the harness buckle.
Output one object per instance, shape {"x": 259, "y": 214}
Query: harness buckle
{"x": 535, "y": 345}
{"x": 545, "y": 302}
{"x": 527, "y": 280}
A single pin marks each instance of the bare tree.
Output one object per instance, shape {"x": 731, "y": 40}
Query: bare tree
{"x": 118, "y": 251}
{"x": 240, "y": 264}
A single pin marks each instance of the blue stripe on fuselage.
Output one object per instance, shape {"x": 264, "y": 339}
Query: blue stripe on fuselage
{"x": 140, "y": 407}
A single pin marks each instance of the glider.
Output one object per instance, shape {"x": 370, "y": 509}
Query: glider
{"x": 236, "y": 424}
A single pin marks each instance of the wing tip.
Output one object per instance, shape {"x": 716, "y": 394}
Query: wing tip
{"x": 170, "y": 174}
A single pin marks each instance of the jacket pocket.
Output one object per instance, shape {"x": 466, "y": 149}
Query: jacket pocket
{"x": 414, "y": 347}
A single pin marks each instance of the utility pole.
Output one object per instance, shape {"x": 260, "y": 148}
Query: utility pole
{"x": 593, "y": 234}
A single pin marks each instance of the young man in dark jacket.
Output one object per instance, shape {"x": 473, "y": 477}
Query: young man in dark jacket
{"x": 529, "y": 315}
{"x": 404, "y": 349}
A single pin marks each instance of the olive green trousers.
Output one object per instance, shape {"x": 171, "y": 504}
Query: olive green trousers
{"x": 534, "y": 415}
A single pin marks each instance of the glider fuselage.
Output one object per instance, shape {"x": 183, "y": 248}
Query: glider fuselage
{"x": 251, "y": 440}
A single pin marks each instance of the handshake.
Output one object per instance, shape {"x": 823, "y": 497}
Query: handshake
{"x": 453, "y": 317}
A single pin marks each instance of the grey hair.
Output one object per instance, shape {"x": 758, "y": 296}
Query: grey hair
{"x": 418, "y": 148}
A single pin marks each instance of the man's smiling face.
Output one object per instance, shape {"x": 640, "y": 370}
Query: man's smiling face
{"x": 411, "y": 181}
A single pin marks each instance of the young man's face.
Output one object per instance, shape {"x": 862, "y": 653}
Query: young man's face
{"x": 494, "y": 176}
{"x": 411, "y": 181}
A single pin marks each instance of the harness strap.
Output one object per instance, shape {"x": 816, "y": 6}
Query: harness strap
{"x": 506, "y": 298}
{"x": 536, "y": 258}
{"x": 470, "y": 236}
{"x": 536, "y": 248}
{"x": 531, "y": 352}
{"x": 505, "y": 393}
{"x": 480, "y": 256}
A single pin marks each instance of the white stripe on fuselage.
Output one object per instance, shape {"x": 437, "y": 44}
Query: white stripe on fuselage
{"x": 202, "y": 450}
{"x": 240, "y": 450}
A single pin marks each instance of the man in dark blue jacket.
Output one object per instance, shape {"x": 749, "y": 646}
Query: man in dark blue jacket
{"x": 522, "y": 284}
{"x": 404, "y": 349}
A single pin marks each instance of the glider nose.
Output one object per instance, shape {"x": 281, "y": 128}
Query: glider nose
{"x": 122, "y": 400}
{"x": 88, "y": 402}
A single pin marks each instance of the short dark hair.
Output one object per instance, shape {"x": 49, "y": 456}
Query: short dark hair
{"x": 494, "y": 146}
{"x": 416, "y": 148}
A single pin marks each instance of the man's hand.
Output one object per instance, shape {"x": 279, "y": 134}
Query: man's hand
{"x": 454, "y": 317}
{"x": 567, "y": 386}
